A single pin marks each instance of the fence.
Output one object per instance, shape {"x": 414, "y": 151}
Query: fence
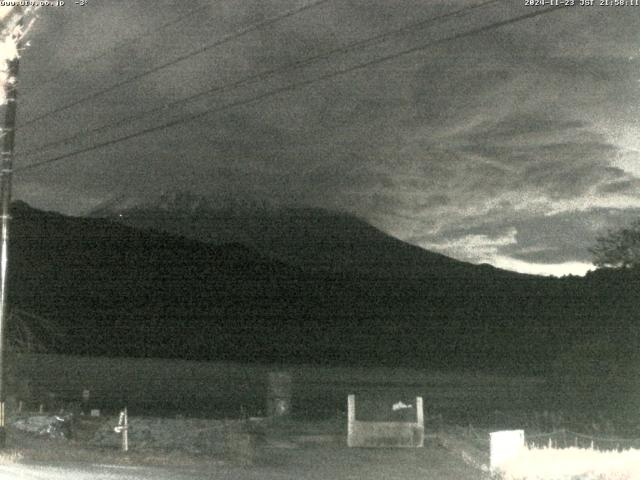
{"x": 566, "y": 438}
{"x": 474, "y": 446}
{"x": 563, "y": 454}
{"x": 226, "y": 389}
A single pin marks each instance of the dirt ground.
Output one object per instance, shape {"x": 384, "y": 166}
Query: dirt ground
{"x": 291, "y": 450}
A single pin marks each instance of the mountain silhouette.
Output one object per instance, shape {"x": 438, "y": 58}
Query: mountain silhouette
{"x": 121, "y": 291}
{"x": 312, "y": 238}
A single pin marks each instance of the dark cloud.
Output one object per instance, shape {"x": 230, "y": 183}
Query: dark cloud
{"x": 552, "y": 239}
{"x": 627, "y": 186}
{"x": 517, "y": 126}
{"x": 473, "y": 147}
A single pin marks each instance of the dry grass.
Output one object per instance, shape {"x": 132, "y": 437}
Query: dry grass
{"x": 8, "y": 457}
{"x": 168, "y": 387}
{"x": 313, "y": 461}
{"x": 29, "y": 448}
{"x": 573, "y": 464}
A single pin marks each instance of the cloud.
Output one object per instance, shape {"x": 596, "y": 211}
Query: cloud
{"x": 627, "y": 186}
{"x": 502, "y": 147}
{"x": 477, "y": 248}
{"x": 557, "y": 241}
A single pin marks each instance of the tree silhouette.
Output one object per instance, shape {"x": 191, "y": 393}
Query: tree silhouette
{"x": 618, "y": 248}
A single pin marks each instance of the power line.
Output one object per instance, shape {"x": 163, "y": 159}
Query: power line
{"x": 291, "y": 66}
{"x": 118, "y": 45}
{"x": 177, "y": 60}
{"x": 290, "y": 87}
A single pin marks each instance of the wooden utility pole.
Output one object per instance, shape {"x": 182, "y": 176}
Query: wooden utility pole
{"x": 6, "y": 169}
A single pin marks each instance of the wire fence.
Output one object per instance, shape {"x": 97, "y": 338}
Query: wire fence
{"x": 566, "y": 439}
{"x": 473, "y": 446}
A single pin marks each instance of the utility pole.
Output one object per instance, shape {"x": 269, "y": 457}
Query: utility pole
{"x": 6, "y": 169}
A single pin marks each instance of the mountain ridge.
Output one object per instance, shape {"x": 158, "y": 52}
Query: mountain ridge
{"x": 310, "y": 237}
{"x": 116, "y": 290}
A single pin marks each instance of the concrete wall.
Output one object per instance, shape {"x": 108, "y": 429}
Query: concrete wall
{"x": 385, "y": 434}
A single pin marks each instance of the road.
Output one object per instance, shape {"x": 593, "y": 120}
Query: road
{"x": 320, "y": 462}
{"x": 99, "y": 472}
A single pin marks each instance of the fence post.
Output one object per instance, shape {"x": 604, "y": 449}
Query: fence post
{"x": 123, "y": 427}
{"x": 351, "y": 418}
{"x": 125, "y": 432}
{"x": 279, "y": 394}
{"x": 419, "y": 441}
{"x": 86, "y": 395}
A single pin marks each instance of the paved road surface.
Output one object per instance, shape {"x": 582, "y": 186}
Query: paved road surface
{"x": 98, "y": 472}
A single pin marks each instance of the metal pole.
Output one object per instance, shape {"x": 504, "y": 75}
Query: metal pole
{"x": 6, "y": 170}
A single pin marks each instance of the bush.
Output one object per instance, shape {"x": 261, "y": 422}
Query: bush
{"x": 598, "y": 378}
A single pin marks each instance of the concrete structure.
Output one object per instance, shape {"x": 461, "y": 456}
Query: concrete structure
{"x": 505, "y": 445}
{"x": 385, "y": 434}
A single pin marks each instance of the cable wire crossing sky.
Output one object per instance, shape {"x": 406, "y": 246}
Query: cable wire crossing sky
{"x": 491, "y": 131}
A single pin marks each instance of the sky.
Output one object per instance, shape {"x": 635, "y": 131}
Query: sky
{"x": 491, "y": 141}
